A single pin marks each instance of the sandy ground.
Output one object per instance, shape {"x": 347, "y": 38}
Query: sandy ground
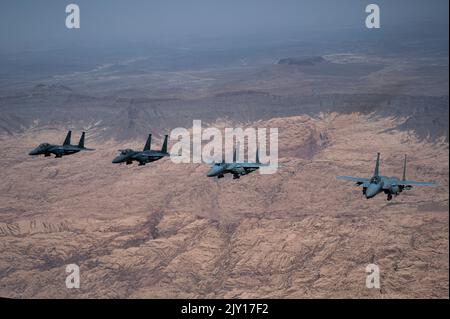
{"x": 166, "y": 230}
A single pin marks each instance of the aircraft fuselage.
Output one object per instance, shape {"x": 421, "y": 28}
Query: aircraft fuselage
{"x": 382, "y": 184}
{"x": 57, "y": 150}
{"x": 219, "y": 170}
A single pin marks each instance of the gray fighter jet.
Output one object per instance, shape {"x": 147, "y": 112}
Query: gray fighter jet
{"x": 59, "y": 151}
{"x": 383, "y": 184}
{"x": 237, "y": 169}
{"x": 143, "y": 157}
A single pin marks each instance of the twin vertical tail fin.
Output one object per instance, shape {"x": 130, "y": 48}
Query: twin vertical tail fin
{"x": 148, "y": 143}
{"x": 164, "y": 147}
{"x": 81, "y": 142}
{"x": 67, "y": 140}
{"x": 404, "y": 169}
{"x": 257, "y": 156}
{"x": 235, "y": 153}
{"x": 376, "y": 173}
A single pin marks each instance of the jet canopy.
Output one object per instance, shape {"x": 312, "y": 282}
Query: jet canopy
{"x": 375, "y": 180}
{"x": 125, "y": 152}
{"x": 43, "y": 145}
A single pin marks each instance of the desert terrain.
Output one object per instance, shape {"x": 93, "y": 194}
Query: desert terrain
{"x": 165, "y": 230}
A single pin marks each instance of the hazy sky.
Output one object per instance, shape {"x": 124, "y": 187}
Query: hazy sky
{"x": 38, "y": 25}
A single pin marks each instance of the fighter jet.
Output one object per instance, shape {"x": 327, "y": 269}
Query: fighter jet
{"x": 59, "y": 151}
{"x": 383, "y": 184}
{"x": 143, "y": 157}
{"x": 237, "y": 169}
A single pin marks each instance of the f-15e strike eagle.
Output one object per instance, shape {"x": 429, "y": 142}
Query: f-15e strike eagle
{"x": 237, "y": 169}
{"x": 143, "y": 157}
{"x": 59, "y": 151}
{"x": 383, "y": 184}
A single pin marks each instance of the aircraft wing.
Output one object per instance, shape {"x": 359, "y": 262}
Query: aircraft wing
{"x": 414, "y": 183}
{"x": 357, "y": 180}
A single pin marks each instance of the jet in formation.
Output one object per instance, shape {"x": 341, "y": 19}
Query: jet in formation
{"x": 59, "y": 151}
{"x": 237, "y": 169}
{"x": 391, "y": 186}
{"x": 143, "y": 157}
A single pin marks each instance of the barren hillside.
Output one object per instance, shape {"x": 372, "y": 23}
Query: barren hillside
{"x": 166, "y": 230}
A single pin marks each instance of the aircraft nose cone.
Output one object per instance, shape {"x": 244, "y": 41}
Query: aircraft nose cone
{"x": 117, "y": 160}
{"x": 33, "y": 152}
{"x": 215, "y": 170}
{"x": 372, "y": 190}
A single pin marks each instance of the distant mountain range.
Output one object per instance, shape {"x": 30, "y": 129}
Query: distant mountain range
{"x": 126, "y": 118}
